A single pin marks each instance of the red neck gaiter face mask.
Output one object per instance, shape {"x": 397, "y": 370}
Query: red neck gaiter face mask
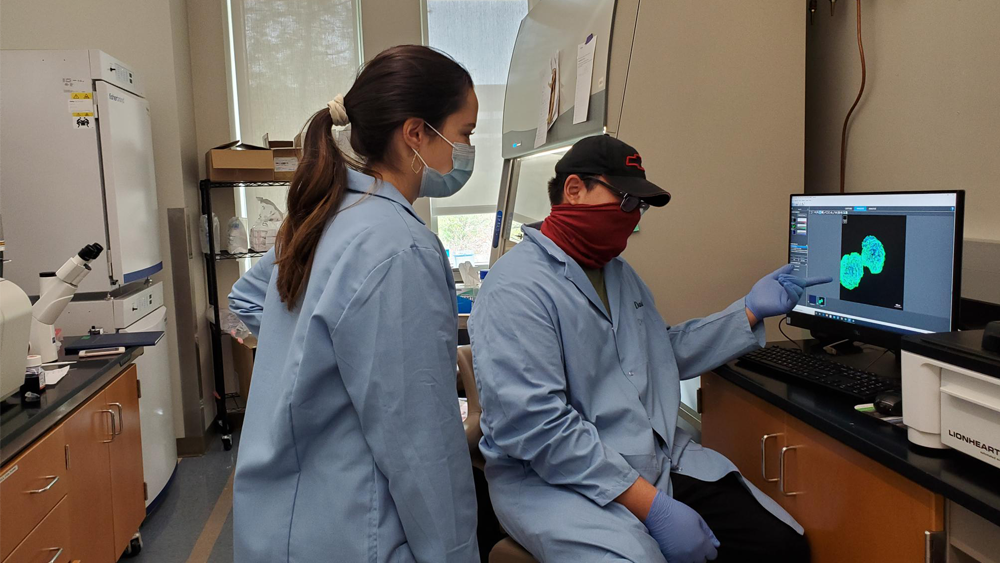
{"x": 593, "y": 235}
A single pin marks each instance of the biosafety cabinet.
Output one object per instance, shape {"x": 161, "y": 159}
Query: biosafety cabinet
{"x": 710, "y": 92}
{"x": 77, "y": 153}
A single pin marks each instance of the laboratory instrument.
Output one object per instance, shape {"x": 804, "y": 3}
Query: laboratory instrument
{"x": 140, "y": 309}
{"x": 78, "y": 164}
{"x": 15, "y": 327}
{"x": 55, "y": 292}
{"x": 951, "y": 391}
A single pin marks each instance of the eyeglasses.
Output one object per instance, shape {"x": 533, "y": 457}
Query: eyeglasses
{"x": 629, "y": 202}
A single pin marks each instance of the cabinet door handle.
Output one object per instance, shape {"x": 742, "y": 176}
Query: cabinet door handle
{"x": 121, "y": 421}
{"x": 763, "y": 457}
{"x": 51, "y": 484}
{"x": 781, "y": 472}
{"x": 59, "y": 552}
{"x": 114, "y": 432}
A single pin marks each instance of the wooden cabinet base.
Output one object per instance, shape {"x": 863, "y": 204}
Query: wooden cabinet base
{"x": 127, "y": 491}
{"x": 87, "y": 431}
{"x": 49, "y": 542}
{"x": 852, "y": 508}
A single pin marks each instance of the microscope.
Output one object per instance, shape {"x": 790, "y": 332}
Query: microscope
{"x": 56, "y": 291}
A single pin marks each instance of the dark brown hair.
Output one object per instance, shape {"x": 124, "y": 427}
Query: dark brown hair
{"x": 399, "y": 83}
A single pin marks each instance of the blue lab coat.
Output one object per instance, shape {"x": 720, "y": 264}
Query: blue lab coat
{"x": 353, "y": 447}
{"x": 578, "y": 404}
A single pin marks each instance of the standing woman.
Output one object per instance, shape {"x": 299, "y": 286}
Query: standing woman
{"x": 353, "y": 448}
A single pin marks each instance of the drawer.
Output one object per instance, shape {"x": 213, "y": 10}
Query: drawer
{"x": 30, "y": 486}
{"x": 49, "y": 541}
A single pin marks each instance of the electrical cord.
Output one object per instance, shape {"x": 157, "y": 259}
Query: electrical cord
{"x": 884, "y": 352}
{"x": 782, "y": 331}
{"x": 843, "y": 135}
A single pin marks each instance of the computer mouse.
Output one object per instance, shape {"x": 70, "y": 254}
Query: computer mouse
{"x": 889, "y": 403}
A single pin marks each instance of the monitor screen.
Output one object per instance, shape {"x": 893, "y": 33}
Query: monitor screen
{"x": 893, "y": 258}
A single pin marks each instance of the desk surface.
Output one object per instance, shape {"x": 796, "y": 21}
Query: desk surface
{"x": 20, "y": 425}
{"x": 954, "y": 475}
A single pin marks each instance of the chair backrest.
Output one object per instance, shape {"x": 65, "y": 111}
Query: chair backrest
{"x": 473, "y": 432}
{"x": 468, "y": 376}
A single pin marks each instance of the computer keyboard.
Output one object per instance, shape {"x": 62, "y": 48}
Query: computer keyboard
{"x": 861, "y": 385}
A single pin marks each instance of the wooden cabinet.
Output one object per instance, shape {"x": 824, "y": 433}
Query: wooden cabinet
{"x": 49, "y": 542}
{"x": 80, "y": 487}
{"x": 107, "y": 502}
{"x": 30, "y": 486}
{"x": 852, "y": 508}
{"x": 88, "y": 432}
{"x": 754, "y": 443}
{"x": 127, "y": 490}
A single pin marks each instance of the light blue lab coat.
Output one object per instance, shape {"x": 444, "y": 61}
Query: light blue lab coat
{"x": 353, "y": 447}
{"x": 577, "y": 405}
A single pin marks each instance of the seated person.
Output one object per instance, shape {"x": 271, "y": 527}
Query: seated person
{"x": 579, "y": 381}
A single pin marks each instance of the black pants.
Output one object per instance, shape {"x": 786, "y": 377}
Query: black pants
{"x": 747, "y": 531}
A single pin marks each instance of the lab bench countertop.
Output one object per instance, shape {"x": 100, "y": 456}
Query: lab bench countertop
{"x": 954, "y": 475}
{"x": 22, "y": 424}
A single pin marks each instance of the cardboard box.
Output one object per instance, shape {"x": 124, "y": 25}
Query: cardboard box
{"x": 286, "y": 158}
{"x": 239, "y": 162}
{"x": 243, "y": 356}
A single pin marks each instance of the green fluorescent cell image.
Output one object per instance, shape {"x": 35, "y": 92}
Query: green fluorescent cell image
{"x": 851, "y": 270}
{"x": 852, "y": 266}
{"x": 873, "y": 254}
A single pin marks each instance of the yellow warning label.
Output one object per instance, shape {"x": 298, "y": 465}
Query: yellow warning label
{"x": 82, "y": 96}
{"x": 83, "y": 114}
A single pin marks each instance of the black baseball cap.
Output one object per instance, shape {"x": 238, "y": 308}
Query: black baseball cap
{"x": 619, "y": 163}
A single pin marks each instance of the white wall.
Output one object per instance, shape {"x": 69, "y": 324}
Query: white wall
{"x": 930, "y": 115}
{"x": 715, "y": 105}
{"x": 152, "y": 37}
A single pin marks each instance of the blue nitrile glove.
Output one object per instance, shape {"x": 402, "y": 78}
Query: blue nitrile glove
{"x": 682, "y": 534}
{"x": 778, "y": 292}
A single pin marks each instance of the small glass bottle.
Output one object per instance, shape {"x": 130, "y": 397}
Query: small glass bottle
{"x": 35, "y": 371}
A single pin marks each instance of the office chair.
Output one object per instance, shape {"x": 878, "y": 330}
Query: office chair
{"x": 507, "y": 550}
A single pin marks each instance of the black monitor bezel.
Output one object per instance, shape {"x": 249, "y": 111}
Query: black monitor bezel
{"x": 879, "y": 337}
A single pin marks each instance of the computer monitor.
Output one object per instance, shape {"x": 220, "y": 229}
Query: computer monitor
{"x": 895, "y": 259}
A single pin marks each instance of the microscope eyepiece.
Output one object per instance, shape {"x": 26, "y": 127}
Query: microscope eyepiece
{"x": 90, "y": 252}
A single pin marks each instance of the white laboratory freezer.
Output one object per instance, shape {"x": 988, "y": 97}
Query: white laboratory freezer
{"x": 77, "y": 151}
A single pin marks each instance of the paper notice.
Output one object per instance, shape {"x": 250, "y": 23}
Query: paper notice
{"x": 81, "y": 104}
{"x": 285, "y": 164}
{"x": 584, "y": 77}
{"x": 553, "y": 82}
{"x": 548, "y": 107}
{"x": 53, "y": 376}
{"x": 542, "y": 131}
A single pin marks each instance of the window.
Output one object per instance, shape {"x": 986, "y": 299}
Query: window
{"x": 288, "y": 59}
{"x": 291, "y": 57}
{"x": 480, "y": 35}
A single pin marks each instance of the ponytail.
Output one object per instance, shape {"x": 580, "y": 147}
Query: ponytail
{"x": 315, "y": 195}
{"x": 399, "y": 83}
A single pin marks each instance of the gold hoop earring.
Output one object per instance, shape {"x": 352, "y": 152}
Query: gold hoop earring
{"x": 414, "y": 160}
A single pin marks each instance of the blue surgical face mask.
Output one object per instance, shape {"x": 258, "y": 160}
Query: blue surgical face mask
{"x": 436, "y": 184}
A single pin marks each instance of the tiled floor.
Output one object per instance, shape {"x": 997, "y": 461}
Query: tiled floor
{"x": 188, "y": 527}
{"x": 185, "y": 518}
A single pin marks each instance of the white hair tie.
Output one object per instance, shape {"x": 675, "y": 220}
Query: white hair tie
{"x": 337, "y": 111}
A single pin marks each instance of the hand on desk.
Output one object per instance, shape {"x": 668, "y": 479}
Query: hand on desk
{"x": 682, "y": 534}
{"x": 777, "y": 293}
